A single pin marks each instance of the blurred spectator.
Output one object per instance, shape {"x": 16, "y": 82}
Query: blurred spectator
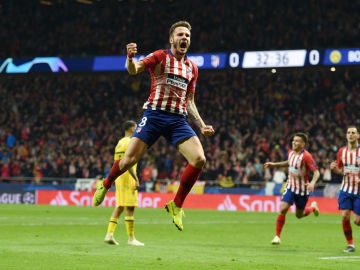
{"x": 279, "y": 178}
{"x": 250, "y": 173}
{"x": 5, "y": 169}
{"x": 147, "y": 172}
{"x": 37, "y": 172}
{"x": 10, "y": 140}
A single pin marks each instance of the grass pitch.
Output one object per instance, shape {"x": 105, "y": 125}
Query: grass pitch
{"x": 59, "y": 237}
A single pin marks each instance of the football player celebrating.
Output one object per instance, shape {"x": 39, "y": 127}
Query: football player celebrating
{"x": 171, "y": 101}
{"x": 300, "y": 163}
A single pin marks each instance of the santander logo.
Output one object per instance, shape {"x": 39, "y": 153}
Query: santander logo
{"x": 272, "y": 204}
{"x": 81, "y": 198}
{"x": 221, "y": 202}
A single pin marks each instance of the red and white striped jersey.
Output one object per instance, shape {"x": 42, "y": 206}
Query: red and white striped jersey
{"x": 171, "y": 81}
{"x": 300, "y": 166}
{"x": 349, "y": 162}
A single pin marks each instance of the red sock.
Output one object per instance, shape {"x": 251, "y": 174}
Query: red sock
{"x": 308, "y": 211}
{"x": 114, "y": 173}
{"x": 280, "y": 221}
{"x": 347, "y": 231}
{"x": 187, "y": 181}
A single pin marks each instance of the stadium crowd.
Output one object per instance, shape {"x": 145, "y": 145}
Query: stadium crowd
{"x": 69, "y": 28}
{"x": 66, "y": 125}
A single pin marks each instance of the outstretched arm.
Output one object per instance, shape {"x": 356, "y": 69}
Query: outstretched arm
{"x": 206, "y": 130}
{"x": 276, "y": 164}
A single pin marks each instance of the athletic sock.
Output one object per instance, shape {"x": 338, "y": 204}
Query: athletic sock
{"x": 129, "y": 224}
{"x": 280, "y": 221}
{"x": 112, "y": 225}
{"x": 347, "y": 231}
{"x": 114, "y": 173}
{"x": 308, "y": 211}
{"x": 187, "y": 181}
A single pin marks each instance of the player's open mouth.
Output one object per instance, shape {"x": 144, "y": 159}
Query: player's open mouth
{"x": 183, "y": 45}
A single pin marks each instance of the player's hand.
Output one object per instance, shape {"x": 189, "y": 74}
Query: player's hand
{"x": 269, "y": 165}
{"x": 333, "y": 165}
{"x": 207, "y": 131}
{"x": 310, "y": 187}
{"x": 131, "y": 50}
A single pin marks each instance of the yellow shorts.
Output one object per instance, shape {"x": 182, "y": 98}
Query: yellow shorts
{"x": 126, "y": 194}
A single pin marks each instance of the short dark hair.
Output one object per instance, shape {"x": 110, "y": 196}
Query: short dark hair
{"x": 351, "y": 126}
{"x": 128, "y": 124}
{"x": 303, "y": 136}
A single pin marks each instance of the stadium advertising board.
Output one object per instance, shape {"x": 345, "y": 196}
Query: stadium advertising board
{"x": 17, "y": 197}
{"x": 221, "y": 202}
{"x": 215, "y": 60}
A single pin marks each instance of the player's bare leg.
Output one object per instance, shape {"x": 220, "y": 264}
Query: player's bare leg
{"x": 192, "y": 150}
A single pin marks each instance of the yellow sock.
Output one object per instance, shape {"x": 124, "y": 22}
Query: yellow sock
{"x": 112, "y": 224}
{"x": 129, "y": 224}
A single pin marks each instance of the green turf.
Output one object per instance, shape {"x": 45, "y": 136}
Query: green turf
{"x": 59, "y": 237}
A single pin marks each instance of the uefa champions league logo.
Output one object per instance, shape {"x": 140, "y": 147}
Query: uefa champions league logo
{"x": 54, "y": 63}
{"x": 28, "y": 198}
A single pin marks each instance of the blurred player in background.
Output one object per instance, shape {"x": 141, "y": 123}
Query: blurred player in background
{"x": 300, "y": 163}
{"x": 126, "y": 192}
{"x": 171, "y": 101}
{"x": 347, "y": 164}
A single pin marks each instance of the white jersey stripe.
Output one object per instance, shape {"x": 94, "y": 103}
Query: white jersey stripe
{"x": 298, "y": 173}
{"x": 350, "y": 162}
{"x": 171, "y": 80}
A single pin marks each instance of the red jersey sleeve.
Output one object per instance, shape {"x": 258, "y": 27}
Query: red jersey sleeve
{"x": 309, "y": 161}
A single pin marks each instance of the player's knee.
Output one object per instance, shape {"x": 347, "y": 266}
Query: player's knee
{"x": 346, "y": 216}
{"x": 200, "y": 161}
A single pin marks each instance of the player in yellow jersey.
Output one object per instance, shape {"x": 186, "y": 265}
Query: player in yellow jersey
{"x": 126, "y": 192}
